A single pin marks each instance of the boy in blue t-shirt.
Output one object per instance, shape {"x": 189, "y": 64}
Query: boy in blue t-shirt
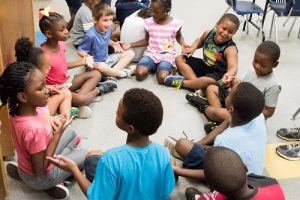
{"x": 246, "y": 134}
{"x": 95, "y": 43}
{"x": 140, "y": 169}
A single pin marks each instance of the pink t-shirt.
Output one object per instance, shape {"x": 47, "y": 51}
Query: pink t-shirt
{"x": 58, "y": 66}
{"x": 162, "y": 40}
{"x": 31, "y": 134}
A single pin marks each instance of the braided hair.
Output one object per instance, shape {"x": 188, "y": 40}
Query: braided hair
{"x": 166, "y": 3}
{"x": 26, "y": 52}
{"x": 47, "y": 22}
{"x": 14, "y": 80}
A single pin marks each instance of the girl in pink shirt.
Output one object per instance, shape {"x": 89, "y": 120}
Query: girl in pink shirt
{"x": 161, "y": 32}
{"x": 23, "y": 88}
{"x": 85, "y": 86}
{"x": 60, "y": 98}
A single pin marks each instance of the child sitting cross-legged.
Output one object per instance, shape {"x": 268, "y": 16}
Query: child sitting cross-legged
{"x": 245, "y": 135}
{"x": 140, "y": 169}
{"x": 227, "y": 178}
{"x": 95, "y": 43}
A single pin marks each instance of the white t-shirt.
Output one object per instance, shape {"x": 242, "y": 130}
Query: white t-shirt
{"x": 133, "y": 30}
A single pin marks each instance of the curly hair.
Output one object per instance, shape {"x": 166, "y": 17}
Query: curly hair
{"x": 26, "y": 52}
{"x": 101, "y": 9}
{"x": 46, "y": 22}
{"x": 143, "y": 110}
{"x": 248, "y": 102}
{"x": 14, "y": 80}
{"x": 166, "y": 3}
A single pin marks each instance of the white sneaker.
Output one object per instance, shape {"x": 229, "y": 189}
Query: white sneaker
{"x": 170, "y": 143}
{"x": 84, "y": 112}
{"x": 58, "y": 192}
{"x": 130, "y": 70}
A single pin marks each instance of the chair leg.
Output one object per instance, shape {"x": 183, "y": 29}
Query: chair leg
{"x": 247, "y": 24}
{"x": 226, "y": 11}
{"x": 286, "y": 20}
{"x": 292, "y": 26}
{"x": 295, "y": 114}
{"x": 276, "y": 33}
{"x": 299, "y": 33}
{"x": 259, "y": 32}
{"x": 272, "y": 24}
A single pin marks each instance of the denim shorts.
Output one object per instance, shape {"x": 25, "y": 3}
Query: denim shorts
{"x": 195, "y": 158}
{"x": 155, "y": 67}
{"x": 90, "y": 166}
{"x": 111, "y": 60}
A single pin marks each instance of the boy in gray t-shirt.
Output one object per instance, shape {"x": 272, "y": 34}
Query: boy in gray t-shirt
{"x": 261, "y": 76}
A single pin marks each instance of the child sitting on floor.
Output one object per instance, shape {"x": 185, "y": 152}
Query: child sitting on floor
{"x": 96, "y": 41}
{"x": 220, "y": 58}
{"x": 260, "y": 75}
{"x": 85, "y": 86}
{"x": 227, "y": 177}
{"x": 161, "y": 32}
{"x": 23, "y": 88}
{"x": 140, "y": 169}
{"x": 247, "y": 130}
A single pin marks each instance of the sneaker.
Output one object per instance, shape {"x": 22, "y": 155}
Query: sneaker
{"x": 107, "y": 86}
{"x": 209, "y": 126}
{"x": 84, "y": 112}
{"x": 170, "y": 143}
{"x": 58, "y": 192}
{"x": 74, "y": 112}
{"x": 130, "y": 71}
{"x": 12, "y": 170}
{"x": 192, "y": 193}
{"x": 289, "y": 151}
{"x": 174, "y": 81}
{"x": 289, "y": 134}
{"x": 197, "y": 101}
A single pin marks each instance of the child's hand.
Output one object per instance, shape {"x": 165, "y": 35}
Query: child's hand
{"x": 63, "y": 162}
{"x": 53, "y": 89}
{"x": 89, "y": 60}
{"x": 227, "y": 79}
{"x": 58, "y": 124}
{"x": 125, "y": 45}
{"x": 118, "y": 47}
{"x": 187, "y": 50}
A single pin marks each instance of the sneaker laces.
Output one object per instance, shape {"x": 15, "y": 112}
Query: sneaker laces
{"x": 294, "y": 147}
{"x": 177, "y": 84}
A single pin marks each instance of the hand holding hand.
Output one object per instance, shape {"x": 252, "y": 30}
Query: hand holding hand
{"x": 118, "y": 47}
{"x": 89, "y": 60}
{"x": 59, "y": 124}
{"x": 125, "y": 45}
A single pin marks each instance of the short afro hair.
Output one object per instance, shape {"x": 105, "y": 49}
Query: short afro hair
{"x": 248, "y": 102}
{"x": 143, "y": 110}
{"x": 231, "y": 17}
{"x": 224, "y": 170}
{"x": 270, "y": 49}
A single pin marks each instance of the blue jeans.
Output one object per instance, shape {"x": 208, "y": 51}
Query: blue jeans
{"x": 152, "y": 66}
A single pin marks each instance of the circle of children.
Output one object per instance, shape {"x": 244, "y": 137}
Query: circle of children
{"x": 36, "y": 86}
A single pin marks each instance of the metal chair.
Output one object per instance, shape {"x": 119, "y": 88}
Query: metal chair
{"x": 280, "y": 10}
{"x": 246, "y": 8}
{"x": 295, "y": 12}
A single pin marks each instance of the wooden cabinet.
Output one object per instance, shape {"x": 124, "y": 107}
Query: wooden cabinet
{"x": 16, "y": 20}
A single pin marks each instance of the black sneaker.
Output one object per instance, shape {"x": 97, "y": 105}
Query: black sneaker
{"x": 12, "y": 170}
{"x": 289, "y": 134}
{"x": 107, "y": 86}
{"x": 58, "y": 192}
{"x": 191, "y": 193}
{"x": 289, "y": 151}
{"x": 196, "y": 100}
{"x": 209, "y": 126}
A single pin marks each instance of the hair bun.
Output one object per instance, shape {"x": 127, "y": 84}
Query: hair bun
{"x": 23, "y": 48}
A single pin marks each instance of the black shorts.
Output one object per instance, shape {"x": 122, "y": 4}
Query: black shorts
{"x": 201, "y": 69}
{"x": 195, "y": 158}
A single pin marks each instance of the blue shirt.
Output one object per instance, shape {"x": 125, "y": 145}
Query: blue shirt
{"x": 96, "y": 44}
{"x": 249, "y": 141}
{"x": 133, "y": 173}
